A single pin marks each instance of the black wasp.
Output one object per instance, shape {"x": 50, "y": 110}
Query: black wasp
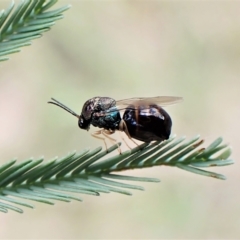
{"x": 143, "y": 119}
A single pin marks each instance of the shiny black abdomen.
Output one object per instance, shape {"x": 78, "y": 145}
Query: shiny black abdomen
{"x": 152, "y": 124}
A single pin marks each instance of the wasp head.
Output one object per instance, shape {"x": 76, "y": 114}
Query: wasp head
{"x": 83, "y": 123}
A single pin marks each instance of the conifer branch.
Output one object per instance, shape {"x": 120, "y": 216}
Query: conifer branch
{"x": 27, "y": 21}
{"x": 92, "y": 172}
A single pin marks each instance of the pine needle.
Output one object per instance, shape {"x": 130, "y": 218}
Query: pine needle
{"x": 21, "y": 24}
{"x": 93, "y": 172}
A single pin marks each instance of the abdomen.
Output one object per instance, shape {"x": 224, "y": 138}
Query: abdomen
{"x": 151, "y": 124}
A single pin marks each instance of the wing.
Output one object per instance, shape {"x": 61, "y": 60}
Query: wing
{"x": 162, "y": 101}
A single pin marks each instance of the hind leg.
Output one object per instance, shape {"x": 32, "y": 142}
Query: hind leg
{"x": 123, "y": 128}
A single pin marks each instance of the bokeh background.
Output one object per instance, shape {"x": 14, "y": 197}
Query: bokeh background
{"x": 126, "y": 49}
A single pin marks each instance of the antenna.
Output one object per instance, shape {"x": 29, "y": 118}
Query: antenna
{"x": 57, "y": 103}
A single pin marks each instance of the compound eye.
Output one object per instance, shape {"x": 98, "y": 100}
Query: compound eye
{"x": 87, "y": 111}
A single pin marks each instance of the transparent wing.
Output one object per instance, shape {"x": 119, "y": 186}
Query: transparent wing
{"x": 162, "y": 101}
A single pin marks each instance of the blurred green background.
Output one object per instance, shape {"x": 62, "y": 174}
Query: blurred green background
{"x": 124, "y": 49}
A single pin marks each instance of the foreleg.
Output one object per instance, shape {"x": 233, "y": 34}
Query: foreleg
{"x": 95, "y": 134}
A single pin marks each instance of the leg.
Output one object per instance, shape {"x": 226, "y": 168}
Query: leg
{"x": 123, "y": 128}
{"x": 124, "y": 140}
{"x": 95, "y": 134}
{"x": 106, "y": 133}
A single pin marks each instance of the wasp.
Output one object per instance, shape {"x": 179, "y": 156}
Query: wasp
{"x": 143, "y": 119}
